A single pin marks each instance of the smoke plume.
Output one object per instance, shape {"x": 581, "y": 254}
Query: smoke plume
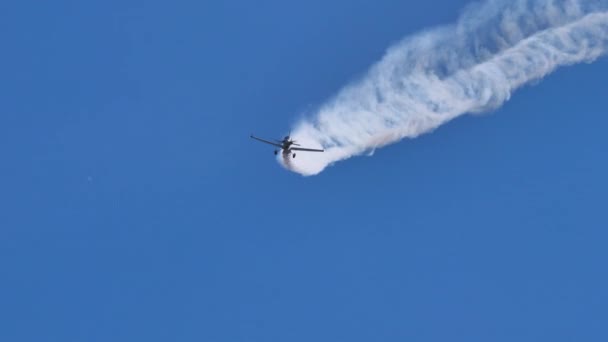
{"x": 432, "y": 77}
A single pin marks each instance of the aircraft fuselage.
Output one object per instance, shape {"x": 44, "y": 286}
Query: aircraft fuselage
{"x": 285, "y": 146}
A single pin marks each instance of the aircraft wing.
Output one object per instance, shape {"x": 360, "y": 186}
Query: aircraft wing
{"x": 306, "y": 149}
{"x": 268, "y": 142}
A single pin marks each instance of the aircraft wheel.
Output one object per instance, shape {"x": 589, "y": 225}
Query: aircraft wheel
{"x": 275, "y": 152}
{"x": 294, "y": 155}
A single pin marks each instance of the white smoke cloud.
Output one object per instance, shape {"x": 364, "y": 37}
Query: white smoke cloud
{"x": 437, "y": 75}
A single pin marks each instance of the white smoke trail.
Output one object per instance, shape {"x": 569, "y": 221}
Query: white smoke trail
{"x": 435, "y": 76}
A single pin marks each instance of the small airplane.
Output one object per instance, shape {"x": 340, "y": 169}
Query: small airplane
{"x": 286, "y": 145}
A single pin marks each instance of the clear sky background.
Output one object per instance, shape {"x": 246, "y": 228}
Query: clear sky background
{"x": 134, "y": 206}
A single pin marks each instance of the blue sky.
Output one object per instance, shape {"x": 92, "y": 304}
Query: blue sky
{"x": 135, "y": 207}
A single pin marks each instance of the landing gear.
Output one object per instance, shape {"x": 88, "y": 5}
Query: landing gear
{"x": 293, "y": 155}
{"x": 275, "y": 152}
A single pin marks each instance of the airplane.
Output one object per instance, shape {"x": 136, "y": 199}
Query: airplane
{"x": 286, "y": 146}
